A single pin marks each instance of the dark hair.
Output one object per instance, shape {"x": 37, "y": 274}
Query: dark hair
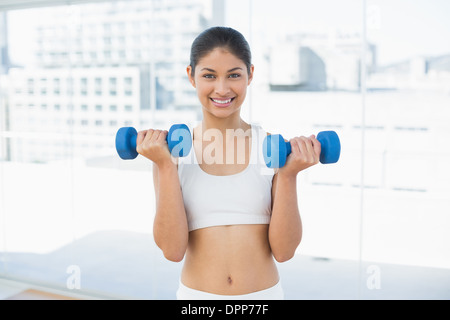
{"x": 220, "y": 37}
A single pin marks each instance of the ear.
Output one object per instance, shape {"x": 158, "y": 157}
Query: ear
{"x": 190, "y": 75}
{"x": 250, "y": 76}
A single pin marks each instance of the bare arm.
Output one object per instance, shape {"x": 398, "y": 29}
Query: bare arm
{"x": 170, "y": 229}
{"x": 285, "y": 230}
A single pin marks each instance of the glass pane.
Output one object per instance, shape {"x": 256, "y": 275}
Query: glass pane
{"x": 37, "y": 202}
{"x": 407, "y": 198}
{"x": 73, "y": 214}
{"x": 307, "y": 80}
{"x": 361, "y": 240}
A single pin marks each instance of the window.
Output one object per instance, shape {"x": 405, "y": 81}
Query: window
{"x": 128, "y": 86}
{"x": 112, "y": 86}
{"x": 83, "y": 86}
{"x": 98, "y": 86}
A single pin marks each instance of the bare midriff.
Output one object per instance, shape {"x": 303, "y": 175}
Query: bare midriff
{"x": 229, "y": 260}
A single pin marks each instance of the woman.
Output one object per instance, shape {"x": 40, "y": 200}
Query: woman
{"x": 216, "y": 209}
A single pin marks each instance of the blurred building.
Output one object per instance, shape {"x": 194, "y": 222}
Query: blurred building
{"x": 101, "y": 66}
{"x": 154, "y": 36}
{"x": 424, "y": 73}
{"x": 60, "y": 108}
{"x": 318, "y": 62}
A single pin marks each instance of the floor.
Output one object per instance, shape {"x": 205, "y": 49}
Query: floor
{"x": 14, "y": 290}
{"x": 32, "y": 294}
{"x": 122, "y": 265}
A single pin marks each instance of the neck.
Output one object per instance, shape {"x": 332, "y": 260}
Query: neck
{"x": 222, "y": 124}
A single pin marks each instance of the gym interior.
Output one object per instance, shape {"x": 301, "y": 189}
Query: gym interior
{"x": 76, "y": 220}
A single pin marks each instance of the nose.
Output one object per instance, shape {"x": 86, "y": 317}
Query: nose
{"x": 222, "y": 87}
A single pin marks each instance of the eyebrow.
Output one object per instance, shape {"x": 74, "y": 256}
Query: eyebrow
{"x": 231, "y": 70}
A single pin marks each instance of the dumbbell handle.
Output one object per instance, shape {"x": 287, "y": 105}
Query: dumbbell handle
{"x": 276, "y": 149}
{"x": 324, "y": 157}
{"x": 132, "y": 142}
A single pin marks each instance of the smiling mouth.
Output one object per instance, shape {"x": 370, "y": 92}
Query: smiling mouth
{"x": 222, "y": 102}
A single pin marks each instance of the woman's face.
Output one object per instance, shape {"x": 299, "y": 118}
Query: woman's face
{"x": 221, "y": 80}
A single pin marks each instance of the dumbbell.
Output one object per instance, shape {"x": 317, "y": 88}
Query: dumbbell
{"x": 178, "y": 139}
{"x": 276, "y": 150}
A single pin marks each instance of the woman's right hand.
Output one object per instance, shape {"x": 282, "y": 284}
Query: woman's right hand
{"x": 152, "y": 144}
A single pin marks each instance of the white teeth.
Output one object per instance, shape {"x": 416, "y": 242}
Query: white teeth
{"x": 222, "y": 101}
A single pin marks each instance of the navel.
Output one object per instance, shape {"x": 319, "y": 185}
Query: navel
{"x": 230, "y": 281}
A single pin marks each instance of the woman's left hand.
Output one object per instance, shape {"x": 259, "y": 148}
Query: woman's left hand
{"x": 305, "y": 152}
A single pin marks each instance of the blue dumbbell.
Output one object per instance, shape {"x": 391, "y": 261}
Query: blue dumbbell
{"x": 276, "y": 150}
{"x": 178, "y": 139}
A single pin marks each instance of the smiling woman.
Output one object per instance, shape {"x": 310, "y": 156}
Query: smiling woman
{"x": 228, "y": 220}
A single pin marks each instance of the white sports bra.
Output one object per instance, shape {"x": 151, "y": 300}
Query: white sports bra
{"x": 241, "y": 198}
